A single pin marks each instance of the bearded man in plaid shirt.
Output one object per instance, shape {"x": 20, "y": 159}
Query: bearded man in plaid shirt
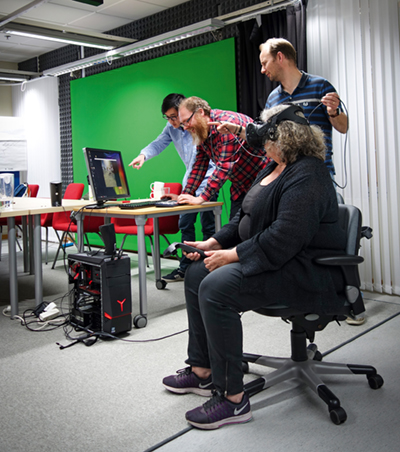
{"x": 234, "y": 159}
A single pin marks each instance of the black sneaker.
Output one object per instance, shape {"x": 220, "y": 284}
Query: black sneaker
{"x": 175, "y": 276}
{"x": 187, "y": 381}
{"x": 219, "y": 411}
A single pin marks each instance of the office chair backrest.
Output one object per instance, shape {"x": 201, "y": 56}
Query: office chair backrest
{"x": 339, "y": 198}
{"x": 350, "y": 221}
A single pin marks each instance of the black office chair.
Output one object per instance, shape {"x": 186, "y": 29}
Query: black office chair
{"x": 305, "y": 363}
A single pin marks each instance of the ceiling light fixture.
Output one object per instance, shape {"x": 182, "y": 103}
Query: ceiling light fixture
{"x": 80, "y": 64}
{"x": 62, "y": 40}
{"x": 12, "y": 75}
{"x": 166, "y": 38}
{"x": 97, "y": 40}
{"x": 10, "y": 78}
{"x": 253, "y": 12}
{"x": 172, "y": 36}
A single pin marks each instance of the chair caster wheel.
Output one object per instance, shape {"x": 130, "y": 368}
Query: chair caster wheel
{"x": 375, "y": 382}
{"x": 140, "y": 321}
{"x": 338, "y": 415}
{"x": 318, "y": 356}
{"x": 245, "y": 367}
{"x": 313, "y": 353}
{"x": 160, "y": 284}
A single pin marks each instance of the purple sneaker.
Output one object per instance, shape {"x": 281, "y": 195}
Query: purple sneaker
{"x": 187, "y": 381}
{"x": 219, "y": 411}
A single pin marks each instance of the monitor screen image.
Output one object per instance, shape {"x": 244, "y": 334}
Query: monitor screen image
{"x": 106, "y": 174}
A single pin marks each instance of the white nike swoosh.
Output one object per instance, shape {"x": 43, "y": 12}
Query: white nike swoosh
{"x": 238, "y": 411}
{"x": 204, "y": 386}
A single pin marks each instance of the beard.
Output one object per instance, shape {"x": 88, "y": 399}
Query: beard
{"x": 199, "y": 130}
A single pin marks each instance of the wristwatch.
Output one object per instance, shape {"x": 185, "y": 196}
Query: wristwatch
{"x": 338, "y": 111}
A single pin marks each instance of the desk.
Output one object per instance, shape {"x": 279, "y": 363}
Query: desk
{"x": 140, "y": 216}
{"x": 12, "y": 251}
{"x": 30, "y": 207}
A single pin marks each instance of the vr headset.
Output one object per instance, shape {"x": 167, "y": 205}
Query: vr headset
{"x": 258, "y": 133}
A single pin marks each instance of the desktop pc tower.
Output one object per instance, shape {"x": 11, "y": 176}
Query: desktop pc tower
{"x": 100, "y": 292}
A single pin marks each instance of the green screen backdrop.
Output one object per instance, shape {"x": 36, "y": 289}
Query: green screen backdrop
{"x": 121, "y": 110}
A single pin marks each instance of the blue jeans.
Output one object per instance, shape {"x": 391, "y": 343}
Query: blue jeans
{"x": 186, "y": 225}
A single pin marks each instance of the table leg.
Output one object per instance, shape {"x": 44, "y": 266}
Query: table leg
{"x": 12, "y": 251}
{"x": 140, "y": 222}
{"x": 156, "y": 250}
{"x": 25, "y": 246}
{"x": 37, "y": 249}
{"x": 31, "y": 246}
{"x": 79, "y": 224}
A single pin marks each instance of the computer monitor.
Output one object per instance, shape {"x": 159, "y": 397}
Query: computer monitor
{"x": 106, "y": 175}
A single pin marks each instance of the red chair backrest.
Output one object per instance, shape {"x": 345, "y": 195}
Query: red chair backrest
{"x": 74, "y": 191}
{"x": 61, "y": 220}
{"x": 167, "y": 225}
{"x": 33, "y": 190}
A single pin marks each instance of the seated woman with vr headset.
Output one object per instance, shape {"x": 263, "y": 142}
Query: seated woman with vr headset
{"x": 263, "y": 256}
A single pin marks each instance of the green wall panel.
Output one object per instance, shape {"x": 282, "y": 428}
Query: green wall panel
{"x": 121, "y": 110}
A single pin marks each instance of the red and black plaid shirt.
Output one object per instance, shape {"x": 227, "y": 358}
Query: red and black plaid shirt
{"x": 232, "y": 161}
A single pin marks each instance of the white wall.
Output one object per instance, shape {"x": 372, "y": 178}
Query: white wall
{"x": 38, "y": 105}
{"x": 355, "y": 45}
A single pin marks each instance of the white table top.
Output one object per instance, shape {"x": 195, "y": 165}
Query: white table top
{"x": 33, "y": 206}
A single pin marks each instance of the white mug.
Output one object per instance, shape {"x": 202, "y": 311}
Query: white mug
{"x": 158, "y": 190}
{"x": 156, "y": 186}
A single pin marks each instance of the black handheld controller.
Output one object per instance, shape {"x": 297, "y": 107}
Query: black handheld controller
{"x": 173, "y": 248}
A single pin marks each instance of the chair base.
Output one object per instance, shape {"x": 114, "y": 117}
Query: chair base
{"x": 305, "y": 365}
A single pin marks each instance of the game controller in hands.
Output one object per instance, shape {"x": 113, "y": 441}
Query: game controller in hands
{"x": 173, "y": 249}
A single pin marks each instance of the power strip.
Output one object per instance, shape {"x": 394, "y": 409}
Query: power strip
{"x": 48, "y": 315}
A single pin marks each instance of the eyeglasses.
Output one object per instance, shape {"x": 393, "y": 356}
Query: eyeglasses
{"x": 170, "y": 118}
{"x": 187, "y": 122}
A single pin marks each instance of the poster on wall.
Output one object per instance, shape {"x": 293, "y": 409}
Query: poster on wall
{"x": 13, "y": 144}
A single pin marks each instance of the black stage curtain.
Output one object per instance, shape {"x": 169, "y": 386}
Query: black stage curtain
{"x": 255, "y": 87}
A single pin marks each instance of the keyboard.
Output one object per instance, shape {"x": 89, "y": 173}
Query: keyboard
{"x": 137, "y": 204}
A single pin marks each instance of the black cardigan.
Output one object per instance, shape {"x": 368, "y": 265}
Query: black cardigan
{"x": 295, "y": 221}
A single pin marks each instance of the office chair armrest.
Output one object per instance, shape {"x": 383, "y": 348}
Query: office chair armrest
{"x": 339, "y": 260}
{"x": 349, "y": 266}
{"x": 366, "y": 232}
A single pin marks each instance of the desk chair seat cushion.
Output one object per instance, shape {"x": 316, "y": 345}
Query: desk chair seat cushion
{"x": 167, "y": 225}
{"x": 128, "y": 226}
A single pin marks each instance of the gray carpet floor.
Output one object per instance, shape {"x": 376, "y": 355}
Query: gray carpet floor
{"x": 109, "y": 396}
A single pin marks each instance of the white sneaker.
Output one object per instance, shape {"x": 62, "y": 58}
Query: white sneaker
{"x": 355, "y": 320}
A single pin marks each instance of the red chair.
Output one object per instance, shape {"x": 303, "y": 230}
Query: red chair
{"x": 32, "y": 193}
{"x": 167, "y": 225}
{"x": 33, "y": 190}
{"x": 62, "y": 220}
